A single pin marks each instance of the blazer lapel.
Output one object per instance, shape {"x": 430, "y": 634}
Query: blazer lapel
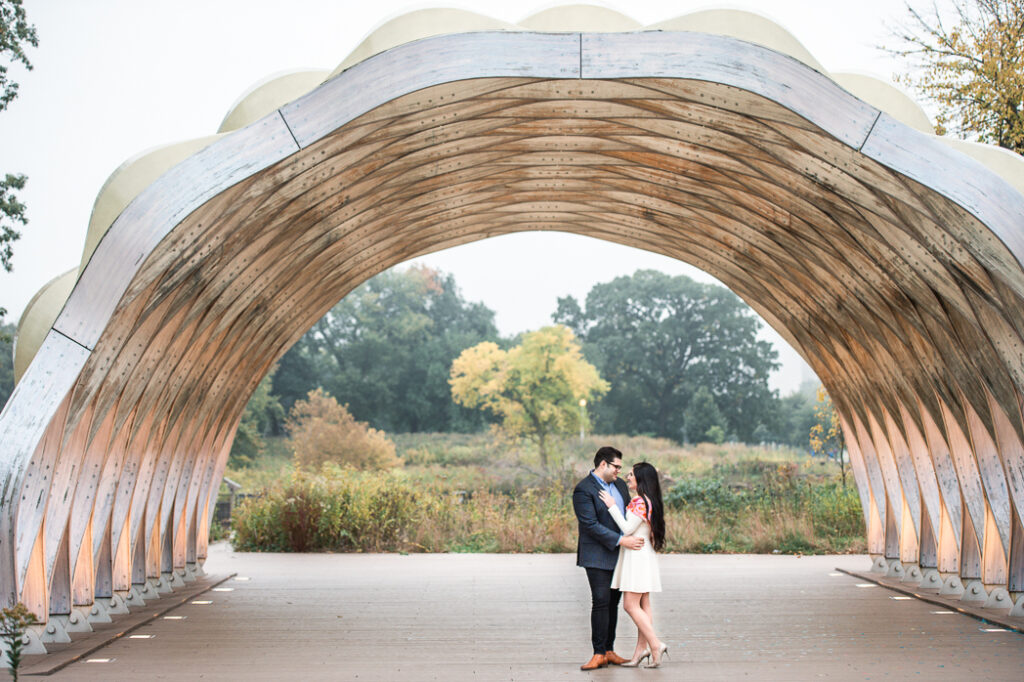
{"x": 603, "y": 516}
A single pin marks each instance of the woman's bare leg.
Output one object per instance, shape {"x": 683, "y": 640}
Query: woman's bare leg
{"x": 641, "y": 641}
{"x": 645, "y": 604}
{"x": 644, "y": 625}
{"x": 641, "y": 645}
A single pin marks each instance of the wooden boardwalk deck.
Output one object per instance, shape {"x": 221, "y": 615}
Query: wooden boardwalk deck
{"x": 525, "y": 617}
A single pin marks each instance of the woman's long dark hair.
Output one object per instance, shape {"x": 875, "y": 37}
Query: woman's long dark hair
{"x": 649, "y": 488}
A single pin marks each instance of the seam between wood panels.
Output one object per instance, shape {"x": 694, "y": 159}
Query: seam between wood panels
{"x": 280, "y": 113}
{"x": 71, "y": 339}
{"x": 579, "y": 71}
{"x": 870, "y": 130}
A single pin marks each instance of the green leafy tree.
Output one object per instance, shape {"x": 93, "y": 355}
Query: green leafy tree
{"x": 795, "y": 419}
{"x": 705, "y": 423}
{"x": 263, "y": 416}
{"x": 534, "y": 388}
{"x": 6, "y": 363}
{"x": 826, "y": 436}
{"x": 299, "y": 371}
{"x": 387, "y": 347}
{"x": 789, "y": 419}
{"x": 15, "y": 34}
{"x": 971, "y": 67}
{"x": 762, "y": 434}
{"x": 658, "y": 338}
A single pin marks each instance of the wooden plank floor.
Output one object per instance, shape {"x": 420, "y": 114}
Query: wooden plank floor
{"x": 525, "y": 617}
{"x": 85, "y": 645}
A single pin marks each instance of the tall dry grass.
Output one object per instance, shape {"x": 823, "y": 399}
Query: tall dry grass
{"x": 467, "y": 493}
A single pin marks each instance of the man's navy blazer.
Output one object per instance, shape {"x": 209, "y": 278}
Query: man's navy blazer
{"x": 599, "y": 534}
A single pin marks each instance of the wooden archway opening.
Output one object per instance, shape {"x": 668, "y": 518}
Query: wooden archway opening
{"x": 898, "y": 280}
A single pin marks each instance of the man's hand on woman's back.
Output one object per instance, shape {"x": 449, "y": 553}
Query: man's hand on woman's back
{"x": 631, "y": 542}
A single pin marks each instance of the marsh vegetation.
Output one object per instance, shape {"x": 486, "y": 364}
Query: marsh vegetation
{"x": 478, "y": 493}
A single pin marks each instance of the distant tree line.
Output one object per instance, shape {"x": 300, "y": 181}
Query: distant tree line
{"x": 681, "y": 361}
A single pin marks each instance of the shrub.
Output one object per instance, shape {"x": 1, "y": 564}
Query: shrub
{"x": 323, "y": 431}
{"x": 475, "y": 543}
{"x": 761, "y": 506}
{"x": 703, "y": 494}
{"x": 336, "y": 510}
{"x": 836, "y": 511}
{"x": 716, "y": 435}
{"x": 452, "y": 450}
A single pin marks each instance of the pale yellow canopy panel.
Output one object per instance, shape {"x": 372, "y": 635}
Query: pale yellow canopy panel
{"x": 130, "y": 178}
{"x": 37, "y": 319}
{"x": 270, "y": 94}
{"x": 580, "y": 18}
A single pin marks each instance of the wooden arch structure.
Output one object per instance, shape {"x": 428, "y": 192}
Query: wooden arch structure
{"x": 892, "y": 263}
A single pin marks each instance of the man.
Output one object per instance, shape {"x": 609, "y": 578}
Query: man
{"x": 598, "y": 550}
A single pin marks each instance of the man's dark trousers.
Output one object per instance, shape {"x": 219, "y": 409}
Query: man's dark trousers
{"x": 598, "y": 552}
{"x": 604, "y": 609}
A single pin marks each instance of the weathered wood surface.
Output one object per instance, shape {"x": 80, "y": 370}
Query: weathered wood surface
{"x": 725, "y": 617}
{"x": 35, "y": 402}
{"x": 931, "y": 502}
{"x": 872, "y": 507}
{"x": 898, "y": 280}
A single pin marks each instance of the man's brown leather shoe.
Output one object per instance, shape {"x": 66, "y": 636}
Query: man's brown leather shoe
{"x": 598, "y": 661}
{"x": 614, "y": 659}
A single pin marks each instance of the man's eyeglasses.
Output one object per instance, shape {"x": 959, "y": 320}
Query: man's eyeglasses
{"x": 617, "y": 467}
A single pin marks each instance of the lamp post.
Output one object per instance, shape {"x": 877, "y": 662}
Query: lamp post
{"x": 583, "y": 417}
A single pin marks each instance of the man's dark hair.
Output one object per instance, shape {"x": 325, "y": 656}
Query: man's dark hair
{"x": 606, "y": 454}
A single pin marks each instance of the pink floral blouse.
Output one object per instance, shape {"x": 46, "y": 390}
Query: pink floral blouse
{"x": 638, "y": 507}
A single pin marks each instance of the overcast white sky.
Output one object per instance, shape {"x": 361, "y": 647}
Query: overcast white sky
{"x": 113, "y": 78}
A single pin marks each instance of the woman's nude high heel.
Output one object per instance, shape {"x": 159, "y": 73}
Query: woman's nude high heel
{"x": 662, "y": 651}
{"x": 635, "y": 663}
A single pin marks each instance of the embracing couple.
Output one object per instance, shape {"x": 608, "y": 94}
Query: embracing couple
{"x": 620, "y": 529}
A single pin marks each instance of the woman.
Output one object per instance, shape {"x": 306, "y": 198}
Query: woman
{"x": 636, "y": 573}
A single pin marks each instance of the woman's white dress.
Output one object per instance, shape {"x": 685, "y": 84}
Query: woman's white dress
{"x": 637, "y": 569}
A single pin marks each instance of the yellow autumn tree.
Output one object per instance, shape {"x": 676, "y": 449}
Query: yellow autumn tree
{"x": 827, "y": 433}
{"x": 534, "y": 388}
{"x": 323, "y": 431}
{"x": 970, "y": 62}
